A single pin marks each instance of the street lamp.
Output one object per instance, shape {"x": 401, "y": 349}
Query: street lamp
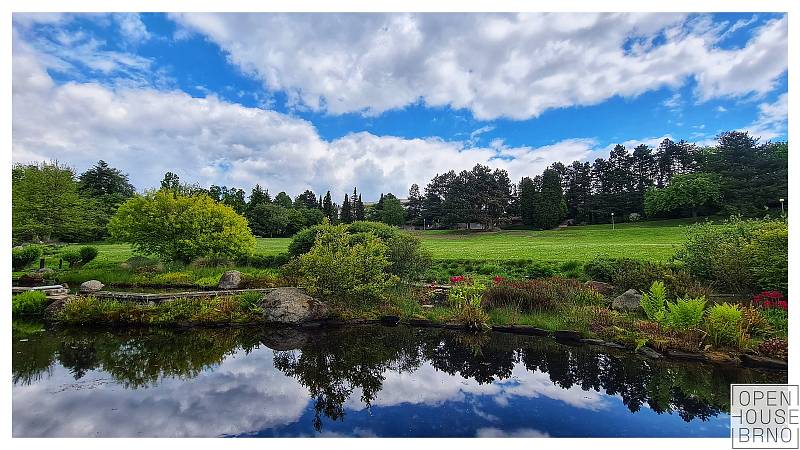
{"x": 782, "y": 212}
{"x": 612, "y": 220}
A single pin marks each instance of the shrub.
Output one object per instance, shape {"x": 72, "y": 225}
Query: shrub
{"x": 29, "y": 303}
{"x": 738, "y": 255}
{"x": 722, "y": 324}
{"x": 774, "y": 348}
{"x": 211, "y": 262}
{"x": 466, "y": 294}
{"x": 88, "y": 253}
{"x": 778, "y": 320}
{"x": 685, "y": 313}
{"x": 344, "y": 266}
{"x": 73, "y": 257}
{"x": 249, "y": 300}
{"x": 142, "y": 264}
{"x": 540, "y": 270}
{"x": 260, "y": 279}
{"x": 754, "y": 323}
{"x": 22, "y": 257}
{"x": 407, "y": 258}
{"x": 174, "y": 279}
{"x": 207, "y": 282}
{"x": 540, "y": 295}
{"x": 654, "y": 302}
{"x": 181, "y": 228}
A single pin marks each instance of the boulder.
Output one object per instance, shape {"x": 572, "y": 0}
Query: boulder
{"x": 628, "y": 301}
{"x": 231, "y": 279}
{"x": 87, "y": 287}
{"x": 31, "y": 279}
{"x": 599, "y": 286}
{"x": 763, "y": 362}
{"x": 649, "y": 352}
{"x": 292, "y": 306}
{"x": 56, "y": 306}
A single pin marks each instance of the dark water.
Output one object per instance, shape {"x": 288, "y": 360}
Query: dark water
{"x": 358, "y": 381}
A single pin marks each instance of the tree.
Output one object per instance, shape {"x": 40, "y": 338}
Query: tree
{"x": 45, "y": 204}
{"x": 393, "y": 212}
{"x": 550, "y": 205}
{"x": 269, "y": 220}
{"x": 328, "y": 209}
{"x": 283, "y": 200}
{"x": 104, "y": 181}
{"x": 258, "y": 196}
{"x": 690, "y": 191}
{"x": 578, "y": 194}
{"x": 527, "y": 198}
{"x": 308, "y": 199}
{"x": 171, "y": 182}
{"x": 359, "y": 208}
{"x": 414, "y": 209}
{"x": 300, "y": 218}
{"x": 346, "y": 215}
{"x": 232, "y": 197}
{"x": 181, "y": 228}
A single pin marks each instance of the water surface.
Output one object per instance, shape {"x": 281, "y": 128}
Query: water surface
{"x": 354, "y": 381}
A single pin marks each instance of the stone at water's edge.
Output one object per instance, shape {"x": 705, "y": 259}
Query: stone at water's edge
{"x": 231, "y": 279}
{"x": 87, "y": 287}
{"x": 628, "y": 301}
{"x": 292, "y": 306}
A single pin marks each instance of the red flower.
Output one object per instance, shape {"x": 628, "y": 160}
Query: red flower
{"x": 498, "y": 279}
{"x": 457, "y": 279}
{"x": 783, "y": 304}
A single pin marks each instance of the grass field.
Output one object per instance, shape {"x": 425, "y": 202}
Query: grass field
{"x": 656, "y": 241}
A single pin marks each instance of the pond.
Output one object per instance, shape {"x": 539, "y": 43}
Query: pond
{"x": 354, "y": 381}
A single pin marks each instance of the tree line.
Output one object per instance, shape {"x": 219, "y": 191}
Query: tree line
{"x": 738, "y": 175}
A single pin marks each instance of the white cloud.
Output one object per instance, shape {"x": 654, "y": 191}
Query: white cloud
{"x": 495, "y": 65}
{"x": 772, "y": 119}
{"x": 132, "y": 27}
{"x": 147, "y": 132}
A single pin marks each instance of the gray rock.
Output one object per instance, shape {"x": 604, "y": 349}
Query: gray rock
{"x": 628, "y": 301}
{"x": 599, "y": 286}
{"x": 763, "y": 361}
{"x": 231, "y": 279}
{"x": 87, "y": 287}
{"x": 649, "y": 352}
{"x": 293, "y": 306}
{"x": 567, "y": 335}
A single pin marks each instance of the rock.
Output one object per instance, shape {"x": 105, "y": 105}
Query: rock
{"x": 293, "y": 306}
{"x": 628, "y": 301}
{"x": 722, "y": 358}
{"x": 649, "y": 352}
{"x": 231, "y": 279}
{"x": 56, "y": 306}
{"x": 686, "y": 355}
{"x": 87, "y": 287}
{"x": 599, "y": 286}
{"x": 763, "y": 361}
{"x": 46, "y": 272}
{"x": 521, "y": 329}
{"x": 593, "y": 341}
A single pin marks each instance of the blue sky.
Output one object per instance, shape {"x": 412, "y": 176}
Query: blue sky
{"x": 380, "y": 101}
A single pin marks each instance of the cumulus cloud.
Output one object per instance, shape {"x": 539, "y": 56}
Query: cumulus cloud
{"x": 147, "y": 132}
{"x": 772, "y": 119}
{"x": 495, "y": 65}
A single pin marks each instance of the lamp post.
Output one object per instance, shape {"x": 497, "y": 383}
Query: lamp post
{"x": 782, "y": 212}
{"x": 612, "y": 220}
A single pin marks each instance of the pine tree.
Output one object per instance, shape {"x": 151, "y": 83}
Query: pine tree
{"x": 346, "y": 215}
{"x": 527, "y": 197}
{"x": 414, "y": 208}
{"x": 359, "y": 209}
{"x": 550, "y": 205}
{"x": 328, "y": 208}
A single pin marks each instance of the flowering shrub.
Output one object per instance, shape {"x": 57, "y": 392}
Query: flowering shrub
{"x": 498, "y": 279}
{"x": 458, "y": 279}
{"x": 771, "y": 299}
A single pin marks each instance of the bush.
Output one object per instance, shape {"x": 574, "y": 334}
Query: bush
{"x": 685, "y": 313}
{"x": 778, "y": 320}
{"x": 23, "y": 257}
{"x": 540, "y": 295}
{"x": 142, "y": 264}
{"x": 723, "y": 324}
{"x": 29, "y": 303}
{"x": 654, "y": 302}
{"x": 408, "y": 260}
{"x": 211, "y": 262}
{"x": 174, "y": 279}
{"x": 88, "y": 253}
{"x": 344, "y": 266}
{"x": 73, "y": 257}
{"x": 466, "y": 294}
{"x": 738, "y": 255}
{"x": 249, "y": 300}
{"x": 207, "y": 282}
{"x": 181, "y": 228}
{"x": 774, "y": 348}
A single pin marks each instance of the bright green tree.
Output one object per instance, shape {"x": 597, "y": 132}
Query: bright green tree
{"x": 181, "y": 228}
{"x": 690, "y": 192}
{"x": 393, "y": 212}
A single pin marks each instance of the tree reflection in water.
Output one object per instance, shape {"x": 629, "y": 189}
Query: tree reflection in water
{"x": 333, "y": 363}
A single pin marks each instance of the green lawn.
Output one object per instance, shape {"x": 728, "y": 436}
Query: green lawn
{"x": 655, "y": 241}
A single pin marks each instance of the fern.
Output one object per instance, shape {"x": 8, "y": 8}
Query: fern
{"x": 685, "y": 313}
{"x": 653, "y": 302}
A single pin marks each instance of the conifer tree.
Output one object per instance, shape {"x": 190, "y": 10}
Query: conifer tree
{"x": 359, "y": 209}
{"x": 346, "y": 215}
{"x": 328, "y": 208}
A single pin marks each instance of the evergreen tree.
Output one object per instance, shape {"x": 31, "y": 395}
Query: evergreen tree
{"x": 527, "y": 199}
{"x": 328, "y": 209}
{"x": 283, "y": 200}
{"x": 258, "y": 196}
{"x": 346, "y": 215}
{"x": 550, "y": 205}
{"x": 414, "y": 208}
{"x": 359, "y": 209}
{"x": 308, "y": 199}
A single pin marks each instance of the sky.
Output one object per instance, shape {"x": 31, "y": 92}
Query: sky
{"x": 381, "y": 101}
